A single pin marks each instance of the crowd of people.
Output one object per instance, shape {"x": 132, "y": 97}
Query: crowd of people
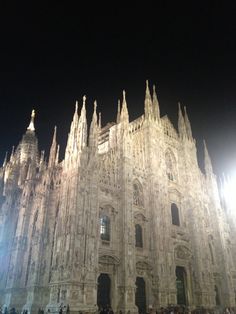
{"x": 62, "y": 310}
{"x": 200, "y": 310}
{"x": 65, "y": 309}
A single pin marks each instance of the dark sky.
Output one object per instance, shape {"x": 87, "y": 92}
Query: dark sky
{"x": 51, "y": 55}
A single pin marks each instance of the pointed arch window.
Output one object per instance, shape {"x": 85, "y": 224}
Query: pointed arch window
{"x": 137, "y": 194}
{"x": 175, "y": 215}
{"x": 138, "y": 236}
{"x": 105, "y": 228}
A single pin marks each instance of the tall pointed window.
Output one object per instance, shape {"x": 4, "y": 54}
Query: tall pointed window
{"x": 137, "y": 194}
{"x": 138, "y": 236}
{"x": 175, "y": 214}
{"x": 105, "y": 228}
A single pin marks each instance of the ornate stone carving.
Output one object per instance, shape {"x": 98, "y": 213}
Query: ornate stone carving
{"x": 108, "y": 259}
{"x": 182, "y": 252}
{"x": 142, "y": 265}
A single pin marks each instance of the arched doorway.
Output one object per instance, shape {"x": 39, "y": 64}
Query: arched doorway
{"x": 103, "y": 291}
{"x": 181, "y": 285}
{"x": 140, "y": 295}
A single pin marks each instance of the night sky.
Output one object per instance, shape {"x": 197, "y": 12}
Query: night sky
{"x": 52, "y": 55}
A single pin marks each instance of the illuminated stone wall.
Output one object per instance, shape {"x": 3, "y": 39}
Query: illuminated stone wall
{"x": 140, "y": 175}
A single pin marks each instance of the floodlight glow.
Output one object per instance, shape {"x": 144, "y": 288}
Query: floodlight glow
{"x": 229, "y": 192}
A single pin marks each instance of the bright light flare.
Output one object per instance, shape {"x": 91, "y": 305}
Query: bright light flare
{"x": 229, "y": 192}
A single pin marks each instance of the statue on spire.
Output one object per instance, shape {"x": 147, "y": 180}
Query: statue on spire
{"x": 31, "y": 125}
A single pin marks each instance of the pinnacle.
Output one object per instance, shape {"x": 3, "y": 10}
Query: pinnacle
{"x": 31, "y": 125}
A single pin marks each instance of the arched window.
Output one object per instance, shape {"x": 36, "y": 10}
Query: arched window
{"x": 105, "y": 228}
{"x": 170, "y": 165}
{"x": 138, "y": 236}
{"x": 137, "y": 194}
{"x": 175, "y": 214}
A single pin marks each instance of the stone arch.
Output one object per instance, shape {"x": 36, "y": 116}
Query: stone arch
{"x": 140, "y": 218}
{"x": 109, "y": 259}
{"x": 107, "y": 209}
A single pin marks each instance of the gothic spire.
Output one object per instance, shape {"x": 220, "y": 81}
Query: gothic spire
{"x": 28, "y": 146}
{"x": 118, "y": 112}
{"x": 99, "y": 120}
{"x": 31, "y": 125}
{"x": 41, "y": 157}
{"x": 71, "y": 146}
{"x": 82, "y": 127}
{"x": 94, "y": 118}
{"x": 124, "y": 115}
{"x": 181, "y": 123}
{"x": 156, "y": 108}
{"x": 75, "y": 120}
{"x": 5, "y": 160}
{"x": 53, "y": 149}
{"x": 147, "y": 102}
{"x": 12, "y": 153}
{"x": 57, "y": 155}
{"x": 207, "y": 160}
{"x": 187, "y": 124}
{"x": 73, "y": 129}
{"x": 93, "y": 133}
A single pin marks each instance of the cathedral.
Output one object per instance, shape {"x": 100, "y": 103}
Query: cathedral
{"x": 127, "y": 219}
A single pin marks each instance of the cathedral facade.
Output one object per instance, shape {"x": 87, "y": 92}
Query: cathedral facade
{"x": 126, "y": 219}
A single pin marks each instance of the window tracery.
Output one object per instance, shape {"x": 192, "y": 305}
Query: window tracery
{"x": 105, "y": 228}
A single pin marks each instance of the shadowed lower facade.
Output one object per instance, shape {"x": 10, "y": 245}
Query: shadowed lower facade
{"x": 126, "y": 219}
